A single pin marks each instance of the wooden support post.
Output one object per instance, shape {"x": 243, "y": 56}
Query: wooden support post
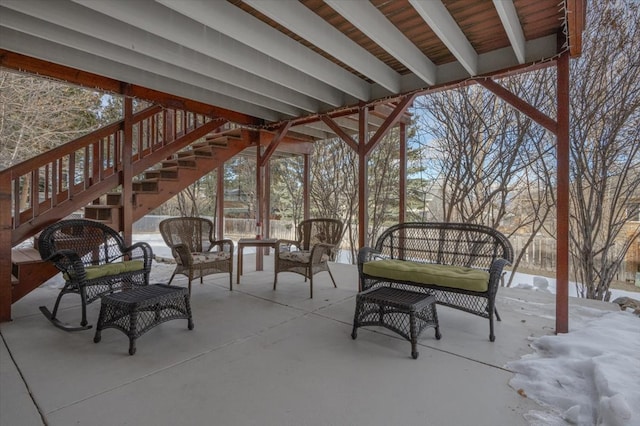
{"x": 259, "y": 205}
{"x": 363, "y": 136}
{"x": 267, "y": 202}
{"x": 562, "y": 232}
{"x": 5, "y": 247}
{"x": 305, "y": 187}
{"x": 126, "y": 174}
{"x": 220, "y": 203}
{"x": 403, "y": 173}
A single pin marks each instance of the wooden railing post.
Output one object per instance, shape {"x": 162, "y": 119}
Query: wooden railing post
{"x": 5, "y": 247}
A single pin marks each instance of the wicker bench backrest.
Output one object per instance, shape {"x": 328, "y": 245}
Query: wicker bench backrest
{"x": 94, "y": 242}
{"x": 460, "y": 244}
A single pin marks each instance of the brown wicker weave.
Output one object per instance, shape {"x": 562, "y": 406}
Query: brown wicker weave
{"x": 317, "y": 243}
{"x": 137, "y": 311}
{"x": 458, "y": 244}
{"x": 196, "y": 252}
{"x": 76, "y": 244}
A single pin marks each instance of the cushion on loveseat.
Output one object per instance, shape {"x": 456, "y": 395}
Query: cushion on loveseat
{"x": 458, "y": 277}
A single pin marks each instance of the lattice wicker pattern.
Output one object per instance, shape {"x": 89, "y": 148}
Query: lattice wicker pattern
{"x": 190, "y": 238}
{"x": 405, "y": 312}
{"x": 319, "y": 238}
{"x": 75, "y": 245}
{"x": 137, "y": 311}
{"x": 459, "y": 244}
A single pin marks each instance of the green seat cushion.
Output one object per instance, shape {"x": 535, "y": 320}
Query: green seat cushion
{"x": 459, "y": 277}
{"x": 109, "y": 269}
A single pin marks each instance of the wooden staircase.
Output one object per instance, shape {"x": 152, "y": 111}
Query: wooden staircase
{"x": 173, "y": 150}
{"x": 159, "y": 184}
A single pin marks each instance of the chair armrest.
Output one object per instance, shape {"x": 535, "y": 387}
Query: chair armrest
{"x": 318, "y": 250}
{"x": 225, "y": 246}
{"x": 367, "y": 254}
{"x": 147, "y": 253}
{"x": 495, "y": 273}
{"x": 182, "y": 252}
{"x": 288, "y": 243}
{"x": 68, "y": 262}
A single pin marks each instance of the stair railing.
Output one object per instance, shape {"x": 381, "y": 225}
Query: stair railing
{"x": 56, "y": 183}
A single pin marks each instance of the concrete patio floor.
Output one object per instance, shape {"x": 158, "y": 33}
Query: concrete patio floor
{"x": 263, "y": 357}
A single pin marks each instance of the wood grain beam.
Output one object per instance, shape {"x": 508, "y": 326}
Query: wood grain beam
{"x": 39, "y": 67}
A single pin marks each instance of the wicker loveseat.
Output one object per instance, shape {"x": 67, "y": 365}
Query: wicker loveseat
{"x": 461, "y": 264}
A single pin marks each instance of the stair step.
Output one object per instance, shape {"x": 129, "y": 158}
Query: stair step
{"x": 186, "y": 162}
{"x": 25, "y": 255}
{"x": 114, "y": 199}
{"x": 28, "y": 271}
{"x": 100, "y": 212}
{"x": 146, "y": 185}
{"x": 221, "y": 141}
{"x": 163, "y": 173}
{"x": 202, "y": 152}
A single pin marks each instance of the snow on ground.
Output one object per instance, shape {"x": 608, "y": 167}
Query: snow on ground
{"x": 589, "y": 376}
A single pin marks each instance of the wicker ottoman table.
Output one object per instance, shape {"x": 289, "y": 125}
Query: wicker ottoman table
{"x": 134, "y": 312}
{"x": 402, "y": 311}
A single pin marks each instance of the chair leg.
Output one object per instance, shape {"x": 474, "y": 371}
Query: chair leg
{"x": 275, "y": 279}
{"x": 311, "y": 286}
{"x": 83, "y": 298}
{"x": 171, "y": 279}
{"x": 51, "y": 316}
{"x": 57, "y": 305}
{"x": 331, "y": 275}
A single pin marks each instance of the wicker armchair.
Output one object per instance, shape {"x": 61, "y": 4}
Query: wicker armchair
{"x": 317, "y": 243}
{"x": 94, "y": 262}
{"x": 196, "y": 253}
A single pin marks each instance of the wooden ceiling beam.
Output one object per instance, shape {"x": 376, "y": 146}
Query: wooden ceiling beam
{"x": 42, "y": 68}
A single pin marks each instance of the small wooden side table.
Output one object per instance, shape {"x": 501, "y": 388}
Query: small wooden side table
{"x": 253, "y": 242}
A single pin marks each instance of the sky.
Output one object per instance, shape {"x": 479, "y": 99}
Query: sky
{"x": 589, "y": 376}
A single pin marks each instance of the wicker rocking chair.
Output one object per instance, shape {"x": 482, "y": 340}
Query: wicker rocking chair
{"x": 94, "y": 262}
{"x": 196, "y": 253}
{"x": 317, "y": 243}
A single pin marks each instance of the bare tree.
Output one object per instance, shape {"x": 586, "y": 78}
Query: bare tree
{"x": 38, "y": 114}
{"x": 334, "y": 190}
{"x": 384, "y": 181}
{"x": 490, "y": 164}
{"x": 605, "y": 145}
{"x": 286, "y": 187}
